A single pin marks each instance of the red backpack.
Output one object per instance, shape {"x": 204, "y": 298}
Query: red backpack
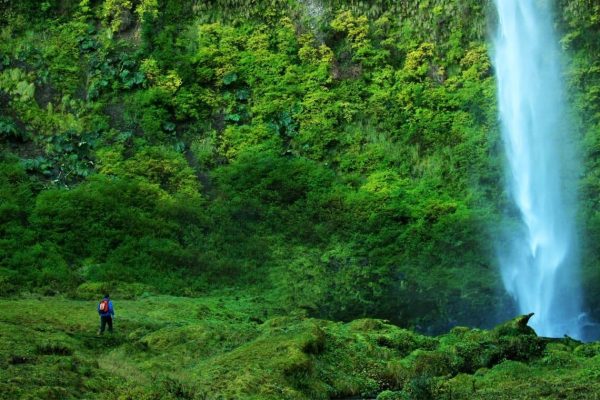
{"x": 103, "y": 306}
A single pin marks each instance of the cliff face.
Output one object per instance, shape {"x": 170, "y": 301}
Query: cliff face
{"x": 343, "y": 157}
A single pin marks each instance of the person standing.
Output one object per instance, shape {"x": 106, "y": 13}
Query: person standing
{"x": 107, "y": 313}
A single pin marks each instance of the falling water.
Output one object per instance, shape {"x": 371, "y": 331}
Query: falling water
{"x": 539, "y": 264}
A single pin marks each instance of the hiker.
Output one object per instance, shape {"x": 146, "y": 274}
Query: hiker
{"x": 107, "y": 313}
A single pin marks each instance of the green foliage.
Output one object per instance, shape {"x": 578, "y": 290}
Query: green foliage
{"x": 342, "y": 157}
{"x": 9, "y": 130}
{"x": 313, "y": 158}
{"x": 120, "y": 237}
{"x": 116, "y": 14}
{"x": 335, "y": 160}
{"x": 157, "y": 166}
{"x": 16, "y": 194}
{"x": 17, "y": 84}
{"x": 581, "y": 25}
{"x": 174, "y": 348}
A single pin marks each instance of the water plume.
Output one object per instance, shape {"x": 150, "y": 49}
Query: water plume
{"x": 539, "y": 260}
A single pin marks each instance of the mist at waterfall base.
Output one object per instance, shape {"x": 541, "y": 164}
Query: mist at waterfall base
{"x": 538, "y": 259}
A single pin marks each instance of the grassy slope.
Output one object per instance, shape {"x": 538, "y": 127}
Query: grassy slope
{"x": 220, "y": 347}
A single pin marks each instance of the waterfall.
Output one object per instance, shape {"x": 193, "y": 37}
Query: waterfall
{"x": 538, "y": 260}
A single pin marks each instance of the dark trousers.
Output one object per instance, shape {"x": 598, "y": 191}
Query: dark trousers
{"x": 103, "y": 322}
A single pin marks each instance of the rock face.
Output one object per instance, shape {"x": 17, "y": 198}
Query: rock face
{"x": 517, "y": 325}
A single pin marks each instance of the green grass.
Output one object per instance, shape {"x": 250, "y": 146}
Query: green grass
{"x": 237, "y": 347}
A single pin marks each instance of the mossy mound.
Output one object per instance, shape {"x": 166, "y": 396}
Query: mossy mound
{"x": 218, "y": 348}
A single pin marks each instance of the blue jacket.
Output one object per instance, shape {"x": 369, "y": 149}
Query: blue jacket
{"x": 111, "y": 310}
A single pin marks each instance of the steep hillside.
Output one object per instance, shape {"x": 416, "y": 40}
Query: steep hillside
{"x": 342, "y": 157}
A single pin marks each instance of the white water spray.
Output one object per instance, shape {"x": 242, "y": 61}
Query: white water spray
{"x": 539, "y": 265}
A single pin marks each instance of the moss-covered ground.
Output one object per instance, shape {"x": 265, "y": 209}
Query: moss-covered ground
{"x": 228, "y": 347}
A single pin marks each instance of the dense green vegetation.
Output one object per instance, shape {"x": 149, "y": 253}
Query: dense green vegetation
{"x": 280, "y": 160}
{"x": 338, "y": 161}
{"x": 227, "y": 348}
